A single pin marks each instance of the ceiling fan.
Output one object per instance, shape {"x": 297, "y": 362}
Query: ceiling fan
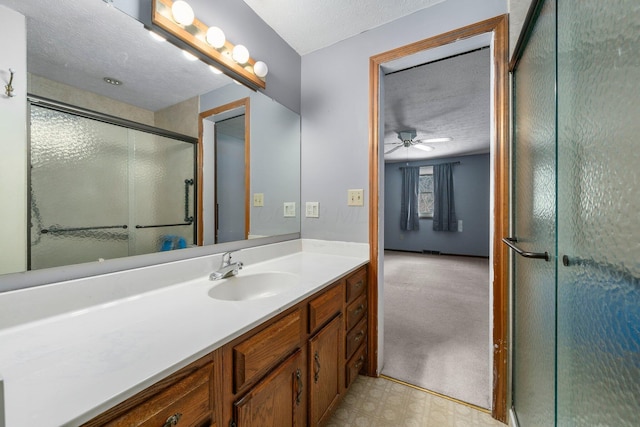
{"x": 408, "y": 139}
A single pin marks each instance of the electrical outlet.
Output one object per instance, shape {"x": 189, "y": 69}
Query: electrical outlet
{"x": 289, "y": 209}
{"x": 312, "y": 210}
{"x": 459, "y": 225}
{"x": 258, "y": 199}
{"x": 355, "y": 197}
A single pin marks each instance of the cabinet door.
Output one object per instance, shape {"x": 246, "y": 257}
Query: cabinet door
{"x": 325, "y": 370}
{"x": 277, "y": 400}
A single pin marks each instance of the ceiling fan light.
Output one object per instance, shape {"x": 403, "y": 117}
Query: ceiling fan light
{"x": 424, "y": 147}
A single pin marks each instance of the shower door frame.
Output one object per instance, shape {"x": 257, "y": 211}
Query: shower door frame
{"x": 51, "y": 104}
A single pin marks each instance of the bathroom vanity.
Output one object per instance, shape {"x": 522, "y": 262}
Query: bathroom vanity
{"x": 175, "y": 355}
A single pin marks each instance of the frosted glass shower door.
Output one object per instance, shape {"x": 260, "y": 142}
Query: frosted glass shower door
{"x": 598, "y": 210}
{"x": 534, "y": 210}
{"x": 78, "y": 194}
{"x": 162, "y": 203}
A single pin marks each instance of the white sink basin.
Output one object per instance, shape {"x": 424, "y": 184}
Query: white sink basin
{"x": 254, "y": 286}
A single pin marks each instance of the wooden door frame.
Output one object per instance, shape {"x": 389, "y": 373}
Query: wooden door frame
{"x": 244, "y": 102}
{"x": 498, "y": 26}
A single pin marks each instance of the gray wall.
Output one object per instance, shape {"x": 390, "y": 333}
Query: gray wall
{"x": 517, "y": 13}
{"x": 335, "y": 113}
{"x": 471, "y": 196}
{"x": 241, "y": 25}
{"x": 275, "y": 157}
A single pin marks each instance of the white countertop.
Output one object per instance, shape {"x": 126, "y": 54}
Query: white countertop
{"x": 67, "y": 368}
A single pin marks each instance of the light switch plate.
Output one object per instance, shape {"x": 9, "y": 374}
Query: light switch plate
{"x": 258, "y": 199}
{"x": 289, "y": 209}
{"x": 312, "y": 210}
{"x": 355, "y": 197}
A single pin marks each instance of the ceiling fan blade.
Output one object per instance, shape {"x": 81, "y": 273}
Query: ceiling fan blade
{"x": 393, "y": 149}
{"x": 428, "y": 140}
{"x": 393, "y": 143}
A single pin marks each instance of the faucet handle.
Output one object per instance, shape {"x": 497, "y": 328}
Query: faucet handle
{"x": 226, "y": 257}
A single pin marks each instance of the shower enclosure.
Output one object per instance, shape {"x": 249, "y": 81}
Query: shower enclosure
{"x": 101, "y": 189}
{"x": 576, "y": 234}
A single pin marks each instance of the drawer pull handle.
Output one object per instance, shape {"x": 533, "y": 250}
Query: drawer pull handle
{"x": 359, "y": 363}
{"x": 172, "y": 420}
{"x": 316, "y": 375}
{"x": 358, "y": 285}
{"x": 359, "y": 336}
{"x": 300, "y": 387}
{"x": 358, "y": 310}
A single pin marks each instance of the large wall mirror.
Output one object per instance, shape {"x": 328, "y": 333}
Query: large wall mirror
{"x": 123, "y": 153}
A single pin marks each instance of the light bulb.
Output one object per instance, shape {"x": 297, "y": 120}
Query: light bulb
{"x": 157, "y": 37}
{"x": 189, "y": 56}
{"x": 214, "y": 70}
{"x": 215, "y": 37}
{"x": 260, "y": 69}
{"x": 182, "y": 13}
{"x": 240, "y": 54}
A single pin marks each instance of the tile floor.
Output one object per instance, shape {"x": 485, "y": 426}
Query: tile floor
{"x": 379, "y": 402}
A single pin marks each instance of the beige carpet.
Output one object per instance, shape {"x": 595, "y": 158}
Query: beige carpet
{"x": 436, "y": 324}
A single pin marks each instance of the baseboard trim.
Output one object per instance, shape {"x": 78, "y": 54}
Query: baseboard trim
{"x": 426, "y": 252}
{"x": 435, "y": 393}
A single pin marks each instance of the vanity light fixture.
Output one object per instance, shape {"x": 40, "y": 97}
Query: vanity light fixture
{"x": 261, "y": 69}
{"x": 157, "y": 37}
{"x": 240, "y": 54}
{"x": 112, "y": 81}
{"x": 208, "y": 43}
{"x": 215, "y": 37}
{"x": 190, "y": 56}
{"x": 182, "y": 13}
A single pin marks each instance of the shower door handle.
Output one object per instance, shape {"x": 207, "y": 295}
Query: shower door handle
{"x": 187, "y": 183}
{"x": 511, "y": 242}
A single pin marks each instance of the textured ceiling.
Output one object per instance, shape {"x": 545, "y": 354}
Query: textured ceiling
{"x": 308, "y": 25}
{"x": 446, "y": 98}
{"x": 80, "y": 42}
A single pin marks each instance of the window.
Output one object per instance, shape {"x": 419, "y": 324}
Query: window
{"x": 425, "y": 192}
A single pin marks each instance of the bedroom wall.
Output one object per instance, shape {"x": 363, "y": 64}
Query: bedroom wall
{"x": 335, "y": 113}
{"x": 471, "y": 196}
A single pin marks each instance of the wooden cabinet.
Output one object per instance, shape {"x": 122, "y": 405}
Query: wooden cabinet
{"x": 292, "y": 370}
{"x": 186, "y": 397}
{"x": 277, "y": 400}
{"x": 256, "y": 355}
{"x": 355, "y": 325}
{"x": 325, "y": 370}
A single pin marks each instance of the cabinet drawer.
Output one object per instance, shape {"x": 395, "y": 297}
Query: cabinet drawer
{"x": 356, "y": 337}
{"x": 189, "y": 400}
{"x": 323, "y": 308}
{"x": 254, "y": 356}
{"x": 356, "y": 310}
{"x": 356, "y": 284}
{"x": 354, "y": 366}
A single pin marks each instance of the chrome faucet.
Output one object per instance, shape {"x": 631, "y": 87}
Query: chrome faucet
{"x": 227, "y": 268}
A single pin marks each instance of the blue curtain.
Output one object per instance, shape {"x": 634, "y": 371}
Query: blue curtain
{"x": 409, "y": 201}
{"x": 444, "y": 210}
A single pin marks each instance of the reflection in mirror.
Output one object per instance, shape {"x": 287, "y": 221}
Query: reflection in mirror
{"x": 230, "y": 180}
{"x": 71, "y": 47}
